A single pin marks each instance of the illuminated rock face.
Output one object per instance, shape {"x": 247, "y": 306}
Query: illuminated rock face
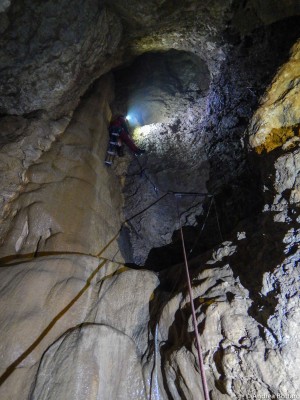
{"x": 178, "y": 78}
{"x": 166, "y": 97}
{"x": 75, "y": 309}
{"x": 47, "y": 205}
{"x": 276, "y": 123}
{"x": 75, "y": 322}
{"x": 199, "y": 141}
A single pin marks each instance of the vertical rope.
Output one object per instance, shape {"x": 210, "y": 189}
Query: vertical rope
{"x": 218, "y": 222}
{"x": 142, "y": 172}
{"x": 201, "y": 230}
{"x": 200, "y": 358}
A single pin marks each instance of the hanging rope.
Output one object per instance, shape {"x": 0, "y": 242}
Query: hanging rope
{"x": 15, "y": 364}
{"x": 200, "y": 358}
{"x": 145, "y": 209}
{"x": 220, "y": 233}
{"x": 177, "y": 195}
{"x": 142, "y": 172}
{"x": 201, "y": 230}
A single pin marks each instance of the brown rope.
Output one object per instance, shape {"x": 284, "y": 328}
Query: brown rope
{"x": 200, "y": 358}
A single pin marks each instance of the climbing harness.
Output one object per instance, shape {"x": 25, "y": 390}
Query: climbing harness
{"x": 114, "y": 148}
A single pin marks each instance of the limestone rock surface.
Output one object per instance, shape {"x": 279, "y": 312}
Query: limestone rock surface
{"x": 76, "y": 324}
{"x": 198, "y": 144}
{"x": 41, "y": 310}
{"x": 166, "y": 96}
{"x": 242, "y": 349}
{"x": 50, "y": 53}
{"x": 83, "y": 355}
{"x": 77, "y": 308}
{"x": 61, "y": 198}
{"x": 23, "y": 140}
{"x": 276, "y": 123}
{"x": 246, "y": 291}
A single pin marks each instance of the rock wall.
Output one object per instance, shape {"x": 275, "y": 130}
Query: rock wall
{"x": 165, "y": 94}
{"x": 246, "y": 292}
{"x": 78, "y": 314}
{"x": 51, "y": 53}
{"x": 76, "y": 325}
{"x": 64, "y": 200}
{"x": 62, "y": 210}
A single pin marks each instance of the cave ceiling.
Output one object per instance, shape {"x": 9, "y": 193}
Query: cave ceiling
{"x": 192, "y": 71}
{"x": 92, "y": 283}
{"x": 50, "y": 54}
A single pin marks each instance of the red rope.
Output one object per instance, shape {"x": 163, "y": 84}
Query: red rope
{"x": 200, "y": 358}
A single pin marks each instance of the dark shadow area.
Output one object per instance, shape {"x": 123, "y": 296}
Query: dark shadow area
{"x": 262, "y": 252}
{"x": 264, "y": 248}
{"x": 236, "y": 180}
{"x": 125, "y": 246}
{"x": 222, "y": 213}
{"x": 249, "y": 68}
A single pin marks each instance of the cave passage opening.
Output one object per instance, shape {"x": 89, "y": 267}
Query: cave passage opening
{"x": 165, "y": 95}
{"x": 168, "y": 97}
{"x": 193, "y": 124}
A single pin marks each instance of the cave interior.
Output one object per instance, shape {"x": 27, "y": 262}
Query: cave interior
{"x": 93, "y": 255}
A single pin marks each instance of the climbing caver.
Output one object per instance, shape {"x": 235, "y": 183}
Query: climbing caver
{"x": 119, "y": 134}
